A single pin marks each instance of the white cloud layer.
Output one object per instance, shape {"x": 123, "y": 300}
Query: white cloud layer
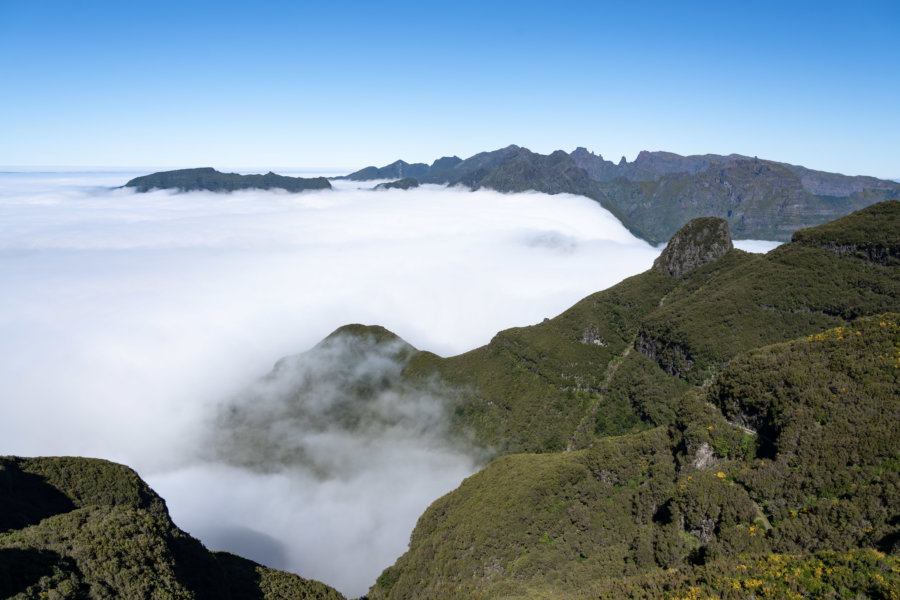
{"x": 127, "y": 319}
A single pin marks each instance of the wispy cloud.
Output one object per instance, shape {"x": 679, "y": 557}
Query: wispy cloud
{"x": 127, "y": 322}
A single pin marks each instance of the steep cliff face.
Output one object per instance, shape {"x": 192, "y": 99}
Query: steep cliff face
{"x": 698, "y": 243}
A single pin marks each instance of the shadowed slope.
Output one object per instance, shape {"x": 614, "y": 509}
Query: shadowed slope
{"x": 97, "y": 531}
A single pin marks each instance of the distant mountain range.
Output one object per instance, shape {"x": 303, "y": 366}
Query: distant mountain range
{"x": 207, "y": 178}
{"x": 653, "y": 196}
{"x": 660, "y": 191}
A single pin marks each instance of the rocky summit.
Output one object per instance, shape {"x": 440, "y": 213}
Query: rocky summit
{"x": 699, "y": 242}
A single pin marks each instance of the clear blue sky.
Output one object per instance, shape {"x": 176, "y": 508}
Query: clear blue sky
{"x": 346, "y": 84}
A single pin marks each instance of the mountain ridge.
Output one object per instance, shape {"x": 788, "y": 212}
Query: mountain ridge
{"x": 659, "y": 192}
{"x": 209, "y": 179}
{"x": 653, "y": 196}
{"x": 74, "y": 527}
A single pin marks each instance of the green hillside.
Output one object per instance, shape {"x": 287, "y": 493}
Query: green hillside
{"x": 728, "y": 432}
{"x": 84, "y": 528}
{"x": 791, "y": 456}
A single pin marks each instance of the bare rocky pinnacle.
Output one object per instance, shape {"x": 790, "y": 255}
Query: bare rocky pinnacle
{"x": 699, "y": 242}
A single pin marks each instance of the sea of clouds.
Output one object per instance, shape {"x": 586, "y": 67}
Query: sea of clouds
{"x": 128, "y": 322}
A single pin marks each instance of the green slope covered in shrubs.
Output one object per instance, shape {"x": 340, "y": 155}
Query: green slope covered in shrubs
{"x": 729, "y": 433}
{"x": 88, "y": 529}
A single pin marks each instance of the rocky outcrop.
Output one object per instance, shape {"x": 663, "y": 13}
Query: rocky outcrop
{"x": 705, "y": 457}
{"x": 673, "y": 358}
{"x": 698, "y": 243}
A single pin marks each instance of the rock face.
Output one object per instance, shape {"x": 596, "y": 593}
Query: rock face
{"x": 699, "y": 242}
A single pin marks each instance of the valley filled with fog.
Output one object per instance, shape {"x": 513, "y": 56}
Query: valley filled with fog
{"x": 128, "y": 322}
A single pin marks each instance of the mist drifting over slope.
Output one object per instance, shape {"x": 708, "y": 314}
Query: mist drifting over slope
{"x": 130, "y": 323}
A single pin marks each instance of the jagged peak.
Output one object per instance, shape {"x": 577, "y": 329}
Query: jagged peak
{"x": 698, "y": 243}
{"x": 582, "y": 151}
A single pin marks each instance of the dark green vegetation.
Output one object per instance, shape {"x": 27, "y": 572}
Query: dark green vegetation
{"x": 729, "y": 433}
{"x": 209, "y": 179}
{"x": 659, "y": 192}
{"x": 84, "y": 528}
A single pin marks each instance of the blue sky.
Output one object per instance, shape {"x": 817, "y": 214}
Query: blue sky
{"x": 288, "y": 85}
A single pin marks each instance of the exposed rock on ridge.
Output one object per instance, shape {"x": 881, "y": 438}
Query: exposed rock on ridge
{"x": 699, "y": 242}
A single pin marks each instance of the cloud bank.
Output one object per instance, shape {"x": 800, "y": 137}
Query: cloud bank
{"x": 130, "y": 322}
